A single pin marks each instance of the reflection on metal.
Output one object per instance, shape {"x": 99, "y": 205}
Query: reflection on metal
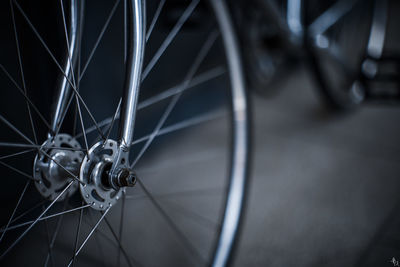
{"x": 376, "y": 38}
{"x": 52, "y": 178}
{"x": 64, "y": 89}
{"x": 331, "y": 16}
{"x": 294, "y": 17}
{"x": 136, "y": 39}
{"x": 235, "y": 195}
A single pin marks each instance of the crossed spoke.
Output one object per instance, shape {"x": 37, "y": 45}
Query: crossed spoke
{"x": 22, "y": 71}
{"x": 186, "y": 14}
{"x": 192, "y": 71}
{"x": 34, "y": 222}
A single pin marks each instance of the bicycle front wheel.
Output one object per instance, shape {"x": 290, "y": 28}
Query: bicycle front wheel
{"x": 190, "y": 150}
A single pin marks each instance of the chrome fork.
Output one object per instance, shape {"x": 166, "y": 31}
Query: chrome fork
{"x": 135, "y": 26}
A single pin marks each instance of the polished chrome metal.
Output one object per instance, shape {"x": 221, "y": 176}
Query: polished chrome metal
{"x": 236, "y": 190}
{"x": 50, "y": 177}
{"x": 94, "y": 174}
{"x": 376, "y": 39}
{"x": 294, "y": 12}
{"x": 64, "y": 88}
{"x": 330, "y": 17}
{"x": 136, "y": 41}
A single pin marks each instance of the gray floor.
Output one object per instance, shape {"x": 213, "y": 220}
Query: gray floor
{"x": 324, "y": 189}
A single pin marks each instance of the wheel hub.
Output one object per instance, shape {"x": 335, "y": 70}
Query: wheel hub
{"x": 51, "y": 178}
{"x": 98, "y": 188}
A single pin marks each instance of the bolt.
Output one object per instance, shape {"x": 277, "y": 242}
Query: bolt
{"x": 125, "y": 177}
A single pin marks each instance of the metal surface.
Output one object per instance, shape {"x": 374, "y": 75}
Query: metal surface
{"x": 236, "y": 190}
{"x": 51, "y": 177}
{"x": 64, "y": 89}
{"x": 136, "y": 40}
{"x": 376, "y": 38}
{"x": 96, "y": 189}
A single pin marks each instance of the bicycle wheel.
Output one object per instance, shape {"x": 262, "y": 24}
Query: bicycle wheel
{"x": 190, "y": 147}
{"x": 338, "y": 35}
{"x": 267, "y": 49}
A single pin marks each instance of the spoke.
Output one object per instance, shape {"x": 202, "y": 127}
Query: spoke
{"x": 25, "y": 96}
{"x": 199, "y": 79}
{"x": 116, "y": 114}
{"x": 47, "y": 232}
{"x": 22, "y": 70}
{"x": 185, "y": 241}
{"x": 186, "y": 14}
{"x": 34, "y": 223}
{"x": 155, "y": 18}
{"x": 204, "y": 77}
{"x": 67, "y": 41}
{"x": 82, "y": 125}
{"x": 192, "y": 71}
{"x": 196, "y": 217}
{"x": 64, "y": 115}
{"x": 53, "y": 239}
{"x": 16, "y": 226}
{"x": 20, "y": 145}
{"x": 188, "y": 193}
{"x": 182, "y": 125}
{"x": 9, "y": 124}
{"x": 17, "y": 154}
{"x": 89, "y": 235}
{"x": 99, "y": 38}
{"x": 62, "y": 167}
{"x": 58, "y": 65}
{"x": 18, "y": 171}
{"x": 28, "y": 211}
{"x": 15, "y": 209}
{"x": 120, "y": 247}
{"x": 77, "y": 235}
{"x": 121, "y": 225}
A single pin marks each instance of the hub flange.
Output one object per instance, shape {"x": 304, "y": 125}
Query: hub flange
{"x": 51, "y": 178}
{"x": 97, "y": 188}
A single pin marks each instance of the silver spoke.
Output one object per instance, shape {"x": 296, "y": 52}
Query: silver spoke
{"x": 192, "y": 71}
{"x": 53, "y": 239}
{"x": 34, "y": 223}
{"x": 186, "y": 14}
{"x": 99, "y": 39}
{"x": 77, "y": 235}
{"x": 17, "y": 154}
{"x": 121, "y": 225}
{"x": 15, "y": 209}
{"x": 12, "y": 227}
{"x": 187, "y": 193}
{"x": 58, "y": 65}
{"x": 21, "y": 145}
{"x": 181, "y": 236}
{"x": 116, "y": 114}
{"x": 89, "y": 235}
{"x": 182, "y": 125}
{"x": 22, "y": 71}
{"x": 76, "y": 178}
{"x": 120, "y": 247}
{"x": 197, "y": 80}
{"x": 18, "y": 171}
{"x": 11, "y": 126}
{"x": 25, "y": 96}
{"x": 155, "y": 18}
